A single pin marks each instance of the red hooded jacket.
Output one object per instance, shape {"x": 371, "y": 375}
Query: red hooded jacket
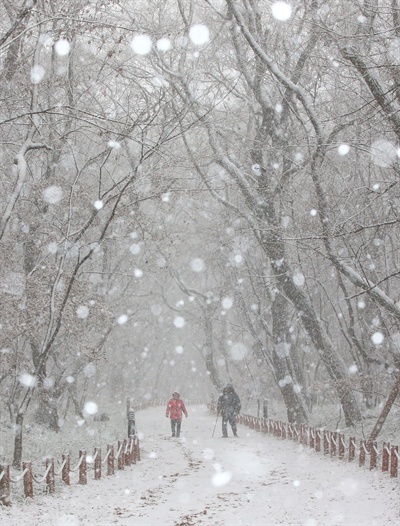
{"x": 175, "y": 407}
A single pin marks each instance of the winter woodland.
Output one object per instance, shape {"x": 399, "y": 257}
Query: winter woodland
{"x": 197, "y": 192}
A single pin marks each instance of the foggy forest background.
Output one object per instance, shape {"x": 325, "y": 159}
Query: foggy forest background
{"x": 196, "y": 192}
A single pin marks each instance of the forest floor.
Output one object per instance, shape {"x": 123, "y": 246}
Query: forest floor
{"x": 200, "y": 479}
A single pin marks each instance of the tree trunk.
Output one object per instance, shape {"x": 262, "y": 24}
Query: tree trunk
{"x": 18, "y": 441}
{"x": 281, "y": 355}
{"x": 385, "y": 411}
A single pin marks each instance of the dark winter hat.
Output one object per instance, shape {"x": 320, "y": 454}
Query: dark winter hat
{"x": 175, "y": 393}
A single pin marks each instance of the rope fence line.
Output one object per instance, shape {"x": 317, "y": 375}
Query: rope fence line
{"x": 329, "y": 442}
{"x": 128, "y": 453}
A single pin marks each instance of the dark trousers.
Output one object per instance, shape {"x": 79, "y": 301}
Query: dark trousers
{"x": 232, "y": 421}
{"x": 175, "y": 427}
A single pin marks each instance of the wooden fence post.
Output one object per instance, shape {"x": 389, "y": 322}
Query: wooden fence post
{"x": 352, "y": 449}
{"x": 82, "y": 468}
{"x": 97, "y": 463}
{"x": 127, "y": 444}
{"x": 341, "y": 446}
{"x": 120, "y": 460}
{"x": 385, "y": 456}
{"x": 50, "y": 479}
{"x": 28, "y": 479}
{"x": 317, "y": 441}
{"x": 5, "y": 486}
{"x": 65, "y": 475}
{"x": 361, "y": 460}
{"x": 312, "y": 437}
{"x": 110, "y": 460}
{"x": 138, "y": 449}
{"x": 326, "y": 442}
{"x": 373, "y": 455}
{"x": 394, "y": 461}
{"x": 334, "y": 437}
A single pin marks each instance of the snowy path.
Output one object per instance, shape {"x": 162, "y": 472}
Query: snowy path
{"x": 200, "y": 480}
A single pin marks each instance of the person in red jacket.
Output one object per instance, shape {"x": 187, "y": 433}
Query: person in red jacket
{"x": 175, "y": 408}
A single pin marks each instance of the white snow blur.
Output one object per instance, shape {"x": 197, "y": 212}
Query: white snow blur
{"x": 281, "y": 11}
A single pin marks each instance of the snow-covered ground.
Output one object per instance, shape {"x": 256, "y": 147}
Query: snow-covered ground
{"x": 198, "y": 479}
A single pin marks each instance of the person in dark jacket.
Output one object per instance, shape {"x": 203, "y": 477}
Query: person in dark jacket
{"x": 175, "y": 408}
{"x": 228, "y": 406}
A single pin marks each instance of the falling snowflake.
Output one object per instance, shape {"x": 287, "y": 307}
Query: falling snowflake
{"x": 52, "y": 248}
{"x": 179, "y": 322}
{"x": 62, "y": 47}
{"x": 27, "y": 380}
{"x": 141, "y": 44}
{"x": 227, "y": 303}
{"x": 220, "y": 478}
{"x": 238, "y": 351}
{"x": 299, "y": 279}
{"x": 199, "y": 34}
{"x": 377, "y": 338}
{"x": 82, "y": 312}
{"x": 114, "y": 145}
{"x": 91, "y": 408}
{"x": 37, "y": 74}
{"x": 134, "y": 249}
{"x": 164, "y": 44}
{"x": 53, "y": 194}
{"x": 98, "y": 204}
{"x": 343, "y": 149}
{"x": 197, "y": 265}
{"x": 122, "y": 319}
{"x": 281, "y": 11}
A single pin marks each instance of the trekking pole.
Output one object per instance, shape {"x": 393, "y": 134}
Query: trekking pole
{"x": 215, "y": 426}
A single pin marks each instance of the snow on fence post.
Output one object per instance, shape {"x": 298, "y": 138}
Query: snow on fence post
{"x": 110, "y": 459}
{"x": 334, "y": 436}
{"x": 312, "y": 437}
{"x": 373, "y": 455}
{"x": 120, "y": 460}
{"x": 97, "y": 463}
{"x": 50, "y": 477}
{"x": 394, "y": 461}
{"x": 352, "y": 449}
{"x": 65, "y": 475}
{"x": 361, "y": 460}
{"x": 28, "y": 479}
{"x": 291, "y": 433}
{"x": 317, "y": 441}
{"x": 385, "y": 456}
{"x": 82, "y": 468}
{"x": 341, "y": 446}
{"x": 5, "y": 486}
{"x": 138, "y": 449}
{"x": 306, "y": 435}
{"x": 127, "y": 452}
{"x": 284, "y": 432}
{"x": 326, "y": 442}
